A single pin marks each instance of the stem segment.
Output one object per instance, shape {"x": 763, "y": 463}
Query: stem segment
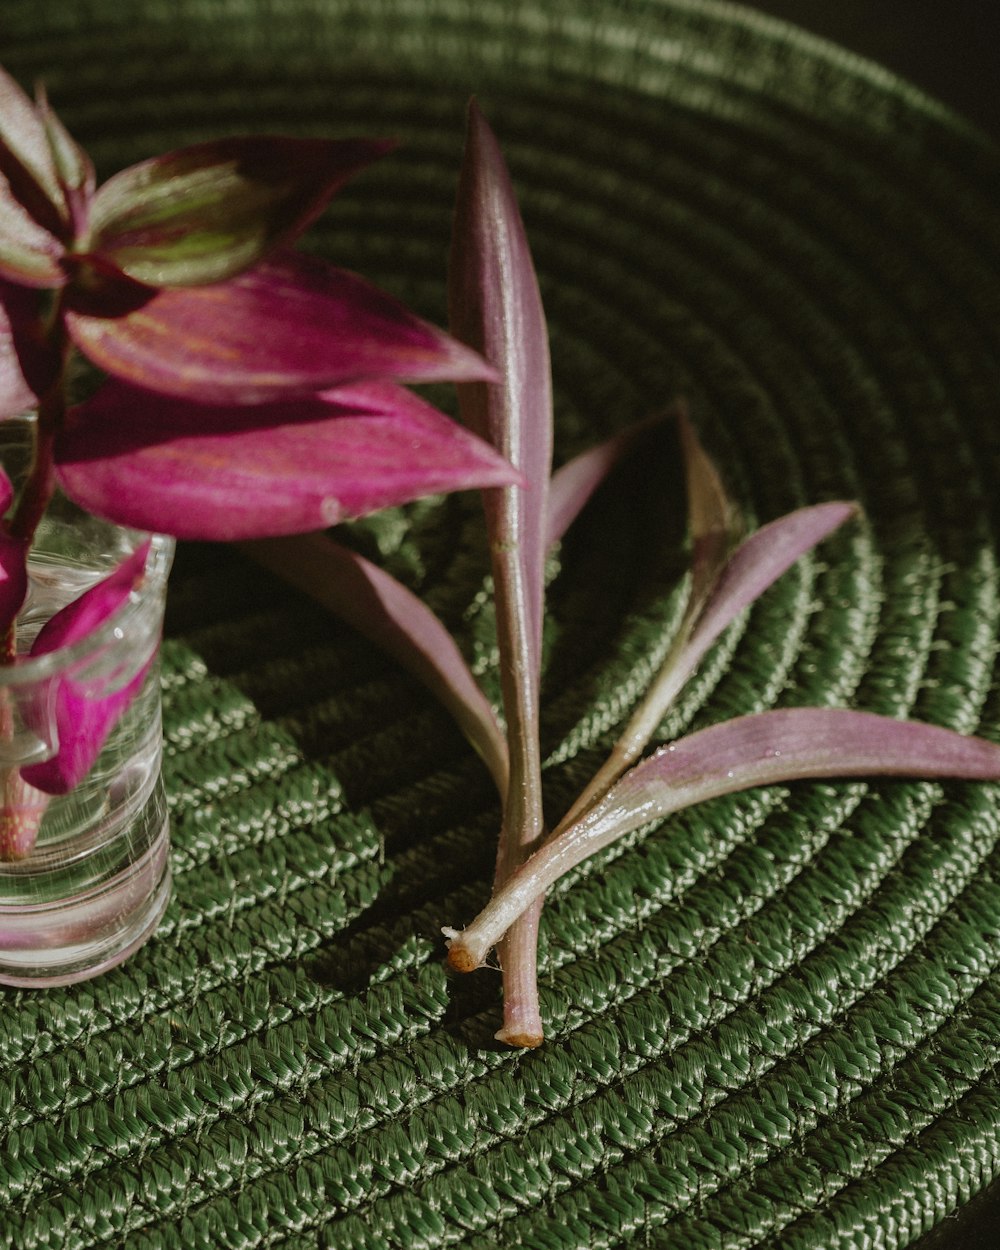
{"x": 23, "y": 807}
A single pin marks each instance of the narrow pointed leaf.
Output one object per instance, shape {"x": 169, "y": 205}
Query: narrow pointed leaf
{"x": 83, "y": 717}
{"x": 757, "y": 750}
{"x": 391, "y": 616}
{"x": 288, "y": 328}
{"x": 225, "y": 473}
{"x": 713, "y": 520}
{"x": 755, "y": 565}
{"x": 205, "y": 213}
{"x": 495, "y": 307}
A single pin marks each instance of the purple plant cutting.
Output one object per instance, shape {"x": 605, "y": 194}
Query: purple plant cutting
{"x": 496, "y": 309}
{"x": 249, "y": 391}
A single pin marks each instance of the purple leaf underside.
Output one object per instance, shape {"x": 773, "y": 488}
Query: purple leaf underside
{"x": 764, "y": 748}
{"x": 388, "y": 614}
{"x": 29, "y": 254}
{"x": 756, "y": 565}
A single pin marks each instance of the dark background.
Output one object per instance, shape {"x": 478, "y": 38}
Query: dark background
{"x": 951, "y": 49}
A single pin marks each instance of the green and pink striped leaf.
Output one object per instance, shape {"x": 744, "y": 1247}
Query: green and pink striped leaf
{"x": 205, "y": 213}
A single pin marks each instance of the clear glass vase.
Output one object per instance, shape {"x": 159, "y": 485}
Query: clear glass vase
{"x": 94, "y": 884}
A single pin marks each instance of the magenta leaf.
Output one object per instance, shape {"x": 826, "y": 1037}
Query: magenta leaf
{"x": 291, "y": 326}
{"x": 82, "y": 717}
{"x": 756, "y": 750}
{"x": 384, "y": 611}
{"x": 496, "y": 308}
{"x": 225, "y": 472}
{"x": 205, "y": 213}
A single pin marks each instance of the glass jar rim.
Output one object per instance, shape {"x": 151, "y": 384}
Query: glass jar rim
{"x": 27, "y": 670}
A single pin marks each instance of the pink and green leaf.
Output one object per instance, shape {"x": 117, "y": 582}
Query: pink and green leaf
{"x": 73, "y": 168}
{"x": 29, "y": 254}
{"x": 226, "y": 473}
{"x": 390, "y": 615}
{"x": 27, "y": 167}
{"x": 495, "y": 307}
{"x": 82, "y": 717}
{"x": 205, "y": 213}
{"x": 762, "y": 749}
{"x": 291, "y": 326}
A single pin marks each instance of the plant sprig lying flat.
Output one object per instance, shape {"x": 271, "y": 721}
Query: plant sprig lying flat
{"x": 496, "y": 309}
{"x": 250, "y": 389}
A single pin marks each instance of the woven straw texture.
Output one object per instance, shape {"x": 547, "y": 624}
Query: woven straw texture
{"x": 773, "y": 1020}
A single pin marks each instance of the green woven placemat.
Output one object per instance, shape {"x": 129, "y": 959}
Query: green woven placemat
{"x": 773, "y": 1021}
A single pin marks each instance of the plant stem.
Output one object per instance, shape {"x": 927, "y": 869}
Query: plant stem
{"x": 20, "y": 816}
{"x": 40, "y": 484}
{"x": 518, "y": 951}
{"x": 22, "y": 807}
{"x": 523, "y": 826}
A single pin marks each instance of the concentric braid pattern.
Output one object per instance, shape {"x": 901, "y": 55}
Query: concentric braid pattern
{"x": 773, "y": 1020}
